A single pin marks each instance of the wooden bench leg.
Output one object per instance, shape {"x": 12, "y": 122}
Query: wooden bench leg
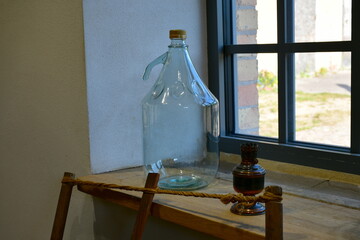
{"x": 274, "y": 221}
{"x": 62, "y": 207}
{"x": 145, "y": 205}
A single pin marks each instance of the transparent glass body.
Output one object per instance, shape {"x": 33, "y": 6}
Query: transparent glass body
{"x": 180, "y": 123}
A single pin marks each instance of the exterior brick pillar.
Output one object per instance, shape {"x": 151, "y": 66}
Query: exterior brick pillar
{"x": 246, "y": 77}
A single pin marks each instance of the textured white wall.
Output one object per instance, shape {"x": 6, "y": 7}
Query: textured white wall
{"x": 121, "y": 38}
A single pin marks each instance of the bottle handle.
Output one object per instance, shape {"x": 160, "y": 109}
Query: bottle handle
{"x": 149, "y": 67}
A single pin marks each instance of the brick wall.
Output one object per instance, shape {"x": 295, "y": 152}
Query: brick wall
{"x": 246, "y": 103}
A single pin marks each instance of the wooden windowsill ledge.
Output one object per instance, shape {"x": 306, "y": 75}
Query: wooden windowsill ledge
{"x": 304, "y": 217}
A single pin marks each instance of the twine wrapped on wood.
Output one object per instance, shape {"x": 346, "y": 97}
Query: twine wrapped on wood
{"x": 271, "y": 193}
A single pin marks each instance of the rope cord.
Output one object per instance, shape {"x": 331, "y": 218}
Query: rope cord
{"x": 271, "y": 193}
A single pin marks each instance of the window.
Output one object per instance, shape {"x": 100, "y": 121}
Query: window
{"x": 272, "y": 64}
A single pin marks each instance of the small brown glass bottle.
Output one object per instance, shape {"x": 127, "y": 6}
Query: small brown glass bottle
{"x": 249, "y": 178}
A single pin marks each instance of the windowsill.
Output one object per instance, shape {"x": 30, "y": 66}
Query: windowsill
{"x": 306, "y": 182}
{"x": 314, "y": 208}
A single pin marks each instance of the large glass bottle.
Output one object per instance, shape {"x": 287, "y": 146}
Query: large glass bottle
{"x": 180, "y": 122}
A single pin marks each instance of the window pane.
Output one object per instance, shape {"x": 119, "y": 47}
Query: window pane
{"x": 323, "y": 88}
{"x": 256, "y": 22}
{"x": 322, "y": 20}
{"x": 256, "y": 100}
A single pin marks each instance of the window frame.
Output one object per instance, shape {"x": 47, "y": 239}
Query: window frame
{"x": 221, "y": 52}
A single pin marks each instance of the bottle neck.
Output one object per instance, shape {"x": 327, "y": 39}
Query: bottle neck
{"x": 178, "y": 43}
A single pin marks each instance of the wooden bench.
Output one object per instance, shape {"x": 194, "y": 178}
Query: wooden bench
{"x": 221, "y": 228}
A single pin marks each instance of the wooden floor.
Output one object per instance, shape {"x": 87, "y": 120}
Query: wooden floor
{"x": 303, "y": 218}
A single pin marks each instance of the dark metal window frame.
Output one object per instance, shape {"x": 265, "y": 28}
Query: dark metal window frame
{"x": 221, "y": 51}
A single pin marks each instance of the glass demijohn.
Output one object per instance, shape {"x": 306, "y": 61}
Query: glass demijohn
{"x": 180, "y": 122}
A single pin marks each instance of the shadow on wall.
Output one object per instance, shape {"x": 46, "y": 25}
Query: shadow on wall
{"x": 116, "y": 222}
{"x": 79, "y": 226}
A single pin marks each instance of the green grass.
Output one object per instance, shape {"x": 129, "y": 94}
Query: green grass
{"x": 317, "y": 109}
{"x": 327, "y": 118}
{"x": 318, "y": 97}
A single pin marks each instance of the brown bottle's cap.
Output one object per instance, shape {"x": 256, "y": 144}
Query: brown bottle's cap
{"x": 177, "y": 34}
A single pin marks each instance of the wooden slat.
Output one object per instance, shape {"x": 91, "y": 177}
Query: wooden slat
{"x": 62, "y": 208}
{"x": 145, "y": 204}
{"x": 274, "y": 221}
{"x": 119, "y": 198}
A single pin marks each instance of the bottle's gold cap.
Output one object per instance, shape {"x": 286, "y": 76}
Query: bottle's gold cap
{"x": 177, "y": 34}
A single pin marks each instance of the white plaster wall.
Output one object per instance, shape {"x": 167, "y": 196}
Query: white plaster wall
{"x": 43, "y": 117}
{"x": 267, "y": 33}
{"x": 44, "y": 121}
{"x": 329, "y": 27}
{"x": 121, "y": 38}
